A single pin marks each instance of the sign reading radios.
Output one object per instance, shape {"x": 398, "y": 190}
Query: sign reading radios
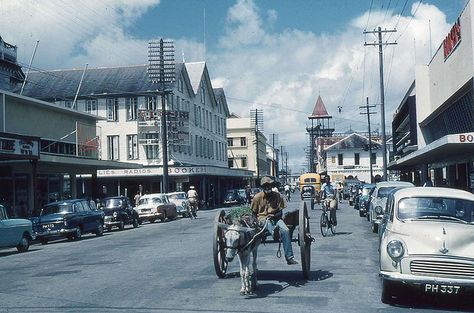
{"x": 452, "y": 40}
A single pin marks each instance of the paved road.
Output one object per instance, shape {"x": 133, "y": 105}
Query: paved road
{"x": 168, "y": 267}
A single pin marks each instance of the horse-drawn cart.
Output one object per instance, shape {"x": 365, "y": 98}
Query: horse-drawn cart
{"x": 295, "y": 220}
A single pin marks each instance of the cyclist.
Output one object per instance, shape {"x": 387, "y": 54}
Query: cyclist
{"x": 328, "y": 194}
{"x": 193, "y": 199}
{"x": 287, "y": 192}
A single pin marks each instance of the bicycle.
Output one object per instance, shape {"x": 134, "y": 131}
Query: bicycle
{"x": 192, "y": 208}
{"x": 326, "y": 222}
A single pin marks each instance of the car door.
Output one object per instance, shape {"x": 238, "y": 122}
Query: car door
{"x": 88, "y": 218}
{"x": 7, "y": 232}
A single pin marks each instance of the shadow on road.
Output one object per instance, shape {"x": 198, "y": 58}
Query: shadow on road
{"x": 343, "y": 233}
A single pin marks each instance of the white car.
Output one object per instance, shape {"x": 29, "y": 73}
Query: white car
{"x": 155, "y": 206}
{"x": 428, "y": 243}
{"x": 379, "y": 199}
{"x": 181, "y": 201}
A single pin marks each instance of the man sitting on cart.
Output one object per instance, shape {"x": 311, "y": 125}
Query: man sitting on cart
{"x": 269, "y": 204}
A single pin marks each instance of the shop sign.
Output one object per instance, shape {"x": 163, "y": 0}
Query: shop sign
{"x": 24, "y": 147}
{"x": 452, "y": 40}
{"x": 172, "y": 171}
{"x": 466, "y": 138}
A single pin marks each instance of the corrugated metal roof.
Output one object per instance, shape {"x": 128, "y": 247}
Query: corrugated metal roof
{"x": 353, "y": 141}
{"x": 62, "y": 84}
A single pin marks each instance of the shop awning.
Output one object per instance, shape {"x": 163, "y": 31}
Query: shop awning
{"x": 449, "y": 149}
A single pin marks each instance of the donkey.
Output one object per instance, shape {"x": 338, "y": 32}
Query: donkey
{"x": 244, "y": 242}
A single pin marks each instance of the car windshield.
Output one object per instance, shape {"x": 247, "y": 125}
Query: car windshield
{"x": 366, "y": 191}
{"x": 57, "y": 208}
{"x": 150, "y": 201}
{"x": 456, "y": 210}
{"x": 242, "y": 192}
{"x": 177, "y": 196}
{"x": 113, "y": 203}
{"x": 384, "y": 191}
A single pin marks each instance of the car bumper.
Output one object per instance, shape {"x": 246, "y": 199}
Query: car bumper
{"x": 149, "y": 216}
{"x": 422, "y": 281}
{"x": 54, "y": 233}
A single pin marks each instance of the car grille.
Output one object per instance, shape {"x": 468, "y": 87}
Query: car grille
{"x": 442, "y": 268}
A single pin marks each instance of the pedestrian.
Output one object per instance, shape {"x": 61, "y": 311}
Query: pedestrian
{"x": 137, "y": 198}
{"x": 248, "y": 193}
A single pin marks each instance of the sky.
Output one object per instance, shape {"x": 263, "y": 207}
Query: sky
{"x": 274, "y": 55}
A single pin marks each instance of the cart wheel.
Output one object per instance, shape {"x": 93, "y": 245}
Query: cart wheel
{"x": 305, "y": 239}
{"x": 218, "y": 246}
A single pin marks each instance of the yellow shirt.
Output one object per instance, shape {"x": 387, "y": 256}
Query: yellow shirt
{"x": 267, "y": 205}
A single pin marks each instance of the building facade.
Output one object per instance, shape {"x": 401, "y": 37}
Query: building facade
{"x": 444, "y": 112}
{"x": 130, "y": 128}
{"x": 245, "y": 151}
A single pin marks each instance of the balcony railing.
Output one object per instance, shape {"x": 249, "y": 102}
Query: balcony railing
{"x": 7, "y": 51}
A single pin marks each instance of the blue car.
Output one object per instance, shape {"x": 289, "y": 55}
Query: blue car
{"x": 68, "y": 219}
{"x": 15, "y": 232}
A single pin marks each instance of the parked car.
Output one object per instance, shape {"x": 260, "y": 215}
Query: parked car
{"x": 379, "y": 198}
{"x": 68, "y": 219}
{"x": 363, "y": 201}
{"x": 15, "y": 232}
{"x": 119, "y": 212}
{"x": 181, "y": 202}
{"x": 347, "y": 186}
{"x": 155, "y": 206}
{"x": 232, "y": 197}
{"x": 427, "y": 243}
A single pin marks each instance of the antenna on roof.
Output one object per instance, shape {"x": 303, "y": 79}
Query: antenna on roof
{"x": 204, "y": 34}
{"x": 29, "y": 66}
{"x": 79, "y": 87}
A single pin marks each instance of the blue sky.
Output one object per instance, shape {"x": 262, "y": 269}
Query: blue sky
{"x": 270, "y": 54}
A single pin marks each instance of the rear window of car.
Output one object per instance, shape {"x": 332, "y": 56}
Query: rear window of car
{"x": 179, "y": 196}
{"x": 449, "y": 209}
{"x": 307, "y": 188}
{"x": 384, "y": 191}
{"x": 57, "y": 208}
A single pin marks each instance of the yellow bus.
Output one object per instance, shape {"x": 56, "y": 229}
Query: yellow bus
{"x": 313, "y": 179}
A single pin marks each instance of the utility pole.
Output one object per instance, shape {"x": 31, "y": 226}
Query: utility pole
{"x": 274, "y": 165}
{"x": 379, "y": 31}
{"x": 256, "y": 121}
{"x": 286, "y": 167}
{"x": 368, "y": 113}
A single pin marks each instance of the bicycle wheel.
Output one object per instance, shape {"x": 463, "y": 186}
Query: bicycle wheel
{"x": 333, "y": 228}
{"x": 324, "y": 223}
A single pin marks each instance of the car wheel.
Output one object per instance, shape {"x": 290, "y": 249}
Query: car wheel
{"x": 361, "y": 214}
{"x": 109, "y": 228}
{"x": 100, "y": 230}
{"x": 121, "y": 226}
{"x": 78, "y": 234}
{"x": 163, "y": 218}
{"x": 152, "y": 221}
{"x": 135, "y": 222}
{"x": 24, "y": 244}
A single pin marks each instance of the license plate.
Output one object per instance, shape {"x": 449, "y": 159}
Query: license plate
{"x": 443, "y": 289}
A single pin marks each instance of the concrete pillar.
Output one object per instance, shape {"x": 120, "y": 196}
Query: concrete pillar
{"x": 438, "y": 179}
{"x": 73, "y": 182}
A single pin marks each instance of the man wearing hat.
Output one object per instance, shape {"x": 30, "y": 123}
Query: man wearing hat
{"x": 269, "y": 204}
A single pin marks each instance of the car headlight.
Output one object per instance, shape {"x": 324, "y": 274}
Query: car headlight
{"x": 115, "y": 214}
{"x": 395, "y": 249}
{"x": 378, "y": 209}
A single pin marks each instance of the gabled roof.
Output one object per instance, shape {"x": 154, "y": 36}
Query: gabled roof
{"x": 195, "y": 71}
{"x": 319, "y": 110}
{"x": 353, "y": 141}
{"x": 222, "y": 100}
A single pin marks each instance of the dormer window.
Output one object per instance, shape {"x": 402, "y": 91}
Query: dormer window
{"x": 203, "y": 93}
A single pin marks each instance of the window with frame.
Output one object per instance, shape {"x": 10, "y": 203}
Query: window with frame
{"x": 196, "y": 115}
{"x": 244, "y": 161}
{"x": 230, "y": 142}
{"x": 152, "y": 152}
{"x": 91, "y": 106}
{"x": 112, "y": 110}
{"x": 203, "y": 93}
{"x": 132, "y": 147}
{"x": 230, "y": 162}
{"x": 373, "y": 158}
{"x": 150, "y": 103}
{"x": 112, "y": 147}
{"x": 180, "y": 84}
{"x": 243, "y": 141}
{"x": 356, "y": 159}
{"x": 132, "y": 108}
{"x": 340, "y": 159}
{"x": 333, "y": 159}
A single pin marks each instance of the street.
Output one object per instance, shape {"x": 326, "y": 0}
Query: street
{"x": 168, "y": 267}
